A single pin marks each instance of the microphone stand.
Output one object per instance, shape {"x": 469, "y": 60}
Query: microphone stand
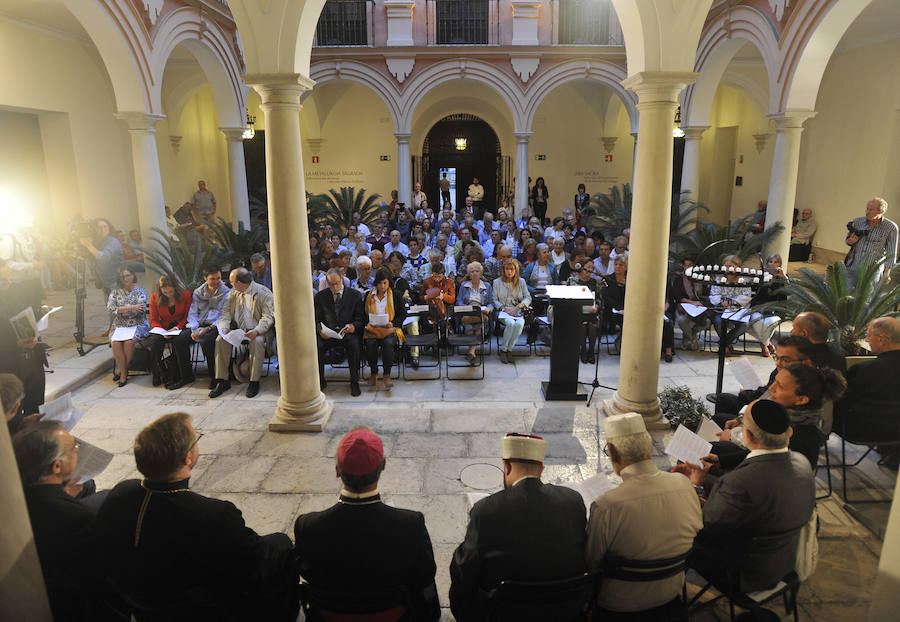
{"x": 595, "y": 383}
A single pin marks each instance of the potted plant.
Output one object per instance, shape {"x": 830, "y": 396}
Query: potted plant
{"x": 680, "y": 407}
{"x": 337, "y": 208}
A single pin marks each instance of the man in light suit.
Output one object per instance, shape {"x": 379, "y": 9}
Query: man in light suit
{"x": 530, "y": 531}
{"x": 250, "y": 307}
{"x": 771, "y": 492}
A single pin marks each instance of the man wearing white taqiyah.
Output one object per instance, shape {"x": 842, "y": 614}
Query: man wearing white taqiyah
{"x": 652, "y": 515}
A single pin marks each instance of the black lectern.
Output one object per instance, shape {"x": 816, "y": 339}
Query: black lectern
{"x": 567, "y": 301}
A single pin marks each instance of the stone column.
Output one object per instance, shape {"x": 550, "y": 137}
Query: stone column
{"x": 690, "y": 169}
{"x": 302, "y": 406}
{"x": 147, "y": 178}
{"x": 404, "y": 169}
{"x": 783, "y": 182}
{"x": 22, "y": 593}
{"x": 237, "y": 177}
{"x": 521, "y": 198}
{"x": 648, "y": 253}
{"x": 634, "y": 135}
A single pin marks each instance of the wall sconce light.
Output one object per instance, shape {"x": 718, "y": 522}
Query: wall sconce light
{"x": 249, "y": 133}
{"x": 460, "y": 144}
{"x": 677, "y": 132}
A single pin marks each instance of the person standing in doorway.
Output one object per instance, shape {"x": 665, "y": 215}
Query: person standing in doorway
{"x": 476, "y": 193}
{"x": 445, "y": 190}
{"x": 539, "y": 196}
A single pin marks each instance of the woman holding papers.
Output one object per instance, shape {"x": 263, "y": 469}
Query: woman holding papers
{"x": 128, "y": 306}
{"x": 730, "y": 300}
{"x": 386, "y": 312}
{"x": 614, "y": 297}
{"x": 169, "y": 306}
{"x": 690, "y": 312}
{"x": 762, "y": 326}
{"x": 512, "y": 298}
{"x": 474, "y": 291}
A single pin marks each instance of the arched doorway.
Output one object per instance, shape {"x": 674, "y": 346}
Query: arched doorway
{"x": 466, "y": 147}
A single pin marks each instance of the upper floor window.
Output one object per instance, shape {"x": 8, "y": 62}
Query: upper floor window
{"x": 343, "y": 22}
{"x": 462, "y": 21}
{"x": 589, "y": 22}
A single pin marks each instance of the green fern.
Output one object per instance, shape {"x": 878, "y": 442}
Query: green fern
{"x": 235, "y": 247}
{"x": 337, "y": 208}
{"x": 184, "y": 256}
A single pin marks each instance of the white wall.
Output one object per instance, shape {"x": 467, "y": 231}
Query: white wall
{"x": 23, "y": 175}
{"x": 851, "y": 149}
{"x": 42, "y": 73}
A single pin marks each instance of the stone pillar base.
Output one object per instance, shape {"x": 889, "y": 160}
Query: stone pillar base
{"x": 308, "y": 416}
{"x": 650, "y": 411}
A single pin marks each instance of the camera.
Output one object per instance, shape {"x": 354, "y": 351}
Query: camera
{"x": 851, "y": 230}
{"x": 81, "y": 229}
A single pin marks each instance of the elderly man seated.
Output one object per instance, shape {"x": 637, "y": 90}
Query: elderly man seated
{"x": 529, "y": 531}
{"x": 802, "y": 236}
{"x": 653, "y": 515}
{"x": 250, "y": 307}
{"x": 340, "y": 310}
{"x": 161, "y": 542}
{"x": 360, "y": 543}
{"x": 771, "y": 492}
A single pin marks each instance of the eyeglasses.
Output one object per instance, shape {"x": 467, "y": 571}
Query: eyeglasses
{"x": 196, "y": 440}
{"x": 605, "y": 447}
{"x": 75, "y": 447}
{"x": 788, "y": 360}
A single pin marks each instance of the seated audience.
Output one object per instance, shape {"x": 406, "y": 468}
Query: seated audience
{"x": 340, "y": 309}
{"x": 262, "y": 271}
{"x": 128, "y": 305}
{"x": 815, "y": 327}
{"x": 529, "y": 252}
{"x": 570, "y": 267}
{"x": 651, "y": 515}
{"x": 614, "y": 298}
{"x": 620, "y": 247}
{"x": 529, "y": 531}
{"x": 541, "y": 272}
{"x": 365, "y": 276}
{"x": 396, "y": 244}
{"x": 466, "y": 234}
{"x": 378, "y": 238}
{"x": 438, "y": 290}
{"x": 558, "y": 254}
{"x": 512, "y": 297}
{"x": 203, "y": 316}
{"x": 762, "y": 326}
{"x": 383, "y": 299}
{"x": 493, "y": 264}
{"x": 169, "y": 306}
{"x": 474, "y": 291}
{"x": 12, "y": 394}
{"x": 729, "y": 298}
{"x": 687, "y": 291}
{"x": 604, "y": 263}
{"x": 249, "y": 307}
{"x": 363, "y": 544}
{"x": 771, "y": 492}
{"x": 585, "y": 278}
{"x": 161, "y": 542}
{"x": 802, "y": 236}
{"x": 415, "y": 259}
{"x": 322, "y": 260}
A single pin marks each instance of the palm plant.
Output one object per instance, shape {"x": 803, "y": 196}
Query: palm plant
{"x": 337, "y": 208}
{"x": 708, "y": 242}
{"x": 236, "y": 246}
{"x": 849, "y": 297}
{"x": 610, "y": 213}
{"x": 183, "y": 256}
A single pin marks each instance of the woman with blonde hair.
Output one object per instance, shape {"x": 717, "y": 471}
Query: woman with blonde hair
{"x": 511, "y": 294}
{"x": 128, "y": 305}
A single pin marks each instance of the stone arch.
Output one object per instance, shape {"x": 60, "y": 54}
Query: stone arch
{"x": 113, "y": 30}
{"x": 466, "y": 105}
{"x": 814, "y": 32}
{"x": 209, "y": 45}
{"x": 177, "y": 98}
{"x": 717, "y": 48}
{"x": 605, "y": 72}
{"x": 353, "y": 71}
{"x": 447, "y": 71}
{"x": 271, "y": 33}
{"x": 748, "y": 87}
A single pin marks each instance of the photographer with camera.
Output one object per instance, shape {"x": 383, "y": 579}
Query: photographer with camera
{"x": 872, "y": 237}
{"x": 106, "y": 250}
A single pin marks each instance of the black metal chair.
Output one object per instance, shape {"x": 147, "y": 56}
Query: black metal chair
{"x": 459, "y": 338}
{"x": 643, "y": 570}
{"x": 562, "y": 600}
{"x": 321, "y": 604}
{"x": 426, "y": 340}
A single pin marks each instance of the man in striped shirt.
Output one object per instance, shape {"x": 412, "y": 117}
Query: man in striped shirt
{"x": 872, "y": 237}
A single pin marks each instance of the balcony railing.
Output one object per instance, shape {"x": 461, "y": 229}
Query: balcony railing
{"x": 591, "y": 22}
{"x": 343, "y": 22}
{"x": 461, "y": 22}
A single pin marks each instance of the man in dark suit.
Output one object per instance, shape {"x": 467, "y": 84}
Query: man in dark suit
{"x": 771, "y": 492}
{"x": 164, "y": 545}
{"x": 63, "y": 527}
{"x": 361, "y": 544}
{"x": 530, "y": 531}
{"x": 340, "y": 308}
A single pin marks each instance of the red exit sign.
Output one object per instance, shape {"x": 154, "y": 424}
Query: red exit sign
{"x": 315, "y": 159}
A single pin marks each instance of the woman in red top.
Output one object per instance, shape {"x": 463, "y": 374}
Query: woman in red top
{"x": 169, "y": 306}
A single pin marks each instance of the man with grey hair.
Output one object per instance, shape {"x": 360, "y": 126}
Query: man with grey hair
{"x": 262, "y": 271}
{"x": 436, "y": 256}
{"x": 872, "y": 237}
{"x": 396, "y": 244}
{"x": 340, "y": 309}
{"x": 249, "y": 307}
{"x": 652, "y": 515}
{"x": 12, "y": 392}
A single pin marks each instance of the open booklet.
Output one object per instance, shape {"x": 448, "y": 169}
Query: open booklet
{"x": 330, "y": 333}
{"x": 688, "y": 447}
{"x": 61, "y": 409}
{"x": 24, "y": 324}
{"x": 744, "y": 373}
{"x": 693, "y": 310}
{"x": 91, "y": 461}
{"x": 235, "y": 336}
{"x": 156, "y": 330}
{"x": 589, "y": 489}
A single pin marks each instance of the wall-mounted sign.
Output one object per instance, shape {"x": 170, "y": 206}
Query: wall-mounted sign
{"x": 384, "y": 158}
{"x": 607, "y": 157}
{"x": 540, "y": 156}
{"x": 315, "y": 159}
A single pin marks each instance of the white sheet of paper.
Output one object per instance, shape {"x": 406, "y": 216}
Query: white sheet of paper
{"x": 409, "y": 319}
{"x": 687, "y": 446}
{"x": 156, "y": 330}
{"x": 741, "y": 315}
{"x": 24, "y": 324}
{"x": 123, "y": 333}
{"x": 693, "y": 310}
{"x": 591, "y": 488}
{"x": 235, "y": 336}
{"x": 619, "y": 311}
{"x": 744, "y": 373}
{"x": 62, "y": 410}
{"x": 708, "y": 430}
{"x": 474, "y": 497}
{"x": 569, "y": 292}
{"x": 463, "y": 308}
{"x": 418, "y": 308}
{"x": 44, "y": 322}
{"x": 503, "y": 315}
{"x": 330, "y": 333}
{"x": 91, "y": 461}
{"x": 378, "y": 319}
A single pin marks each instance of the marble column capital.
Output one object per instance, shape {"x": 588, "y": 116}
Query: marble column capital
{"x": 140, "y": 122}
{"x": 654, "y": 87}
{"x": 280, "y": 90}
{"x": 522, "y": 137}
{"x": 791, "y": 119}
{"x": 694, "y": 132}
{"x": 402, "y": 138}
{"x": 233, "y": 134}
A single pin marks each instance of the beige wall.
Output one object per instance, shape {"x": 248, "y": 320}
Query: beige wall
{"x": 23, "y": 175}
{"x": 567, "y": 129}
{"x": 41, "y": 73}
{"x": 851, "y": 150}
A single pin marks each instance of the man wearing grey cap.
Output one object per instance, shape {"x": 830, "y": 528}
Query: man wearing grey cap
{"x": 529, "y": 531}
{"x": 652, "y": 515}
{"x": 771, "y": 492}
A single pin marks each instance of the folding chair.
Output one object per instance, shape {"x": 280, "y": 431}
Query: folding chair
{"x": 562, "y": 600}
{"x": 426, "y": 340}
{"x": 461, "y": 339}
{"x": 321, "y": 604}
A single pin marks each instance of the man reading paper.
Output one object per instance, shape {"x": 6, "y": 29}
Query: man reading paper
{"x": 340, "y": 309}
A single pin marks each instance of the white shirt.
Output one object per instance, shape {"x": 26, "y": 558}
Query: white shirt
{"x": 763, "y": 452}
{"x": 244, "y": 311}
{"x": 362, "y": 228}
{"x": 390, "y": 248}
{"x": 381, "y": 303}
